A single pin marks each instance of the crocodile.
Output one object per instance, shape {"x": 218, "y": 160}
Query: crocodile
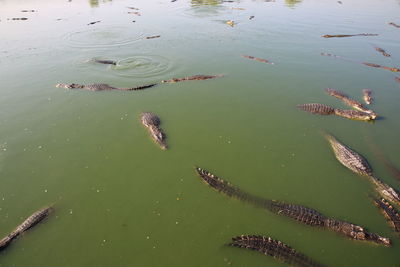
{"x": 322, "y": 109}
{"x": 153, "y": 37}
{"x": 397, "y": 79}
{"x": 390, "y": 213}
{"x": 354, "y": 114}
{"x": 358, "y": 164}
{"x": 258, "y": 59}
{"x": 394, "y": 24}
{"x": 299, "y": 213}
{"x": 350, "y": 102}
{"x": 273, "y": 248}
{"x": 152, "y": 123}
{"x": 367, "y": 96}
{"x": 383, "y": 52}
{"x": 101, "y": 87}
{"x": 380, "y": 66}
{"x": 192, "y": 78}
{"x": 31, "y": 221}
{"x": 349, "y": 35}
{"x": 94, "y": 22}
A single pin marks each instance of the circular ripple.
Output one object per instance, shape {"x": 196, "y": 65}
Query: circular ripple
{"x": 142, "y": 66}
{"x": 106, "y": 36}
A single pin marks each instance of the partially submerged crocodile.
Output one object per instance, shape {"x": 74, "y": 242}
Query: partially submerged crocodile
{"x": 273, "y": 248}
{"x": 350, "y": 102}
{"x": 25, "y": 225}
{"x": 397, "y": 79}
{"x": 390, "y": 213}
{"x": 192, "y": 78}
{"x": 349, "y": 35}
{"x": 299, "y": 213}
{"x": 258, "y": 59}
{"x": 101, "y": 87}
{"x": 358, "y": 164}
{"x": 152, "y": 123}
{"x": 367, "y": 96}
{"x": 105, "y": 61}
{"x": 322, "y": 109}
{"x": 383, "y": 52}
{"x": 380, "y": 66}
{"x": 394, "y": 24}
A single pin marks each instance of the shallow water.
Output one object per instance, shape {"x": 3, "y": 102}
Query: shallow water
{"x": 120, "y": 200}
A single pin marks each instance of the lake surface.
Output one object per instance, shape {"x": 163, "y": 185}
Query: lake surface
{"x": 122, "y": 201}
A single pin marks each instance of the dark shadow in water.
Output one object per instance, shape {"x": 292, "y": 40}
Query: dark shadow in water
{"x": 95, "y": 3}
{"x": 292, "y": 3}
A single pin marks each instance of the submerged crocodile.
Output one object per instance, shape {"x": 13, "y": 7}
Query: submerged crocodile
{"x": 397, "y": 79}
{"x": 25, "y": 225}
{"x": 299, "y": 213}
{"x": 380, "y": 66}
{"x": 258, "y": 59}
{"x": 367, "y": 96}
{"x": 152, "y": 123}
{"x": 101, "y": 87}
{"x": 350, "y": 102}
{"x": 322, "y": 109}
{"x": 390, "y": 213}
{"x": 349, "y": 35}
{"x": 383, "y": 52}
{"x": 358, "y": 164}
{"x": 192, "y": 78}
{"x": 273, "y": 248}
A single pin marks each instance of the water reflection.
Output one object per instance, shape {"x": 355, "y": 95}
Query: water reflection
{"x": 292, "y": 3}
{"x": 95, "y": 3}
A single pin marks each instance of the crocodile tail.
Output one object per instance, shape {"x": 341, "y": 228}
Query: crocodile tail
{"x": 142, "y": 87}
{"x": 229, "y": 190}
{"x": 273, "y": 248}
{"x": 317, "y": 108}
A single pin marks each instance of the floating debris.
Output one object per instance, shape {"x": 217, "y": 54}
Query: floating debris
{"x": 31, "y": 10}
{"x": 153, "y": 37}
{"x": 390, "y": 213}
{"x": 358, "y": 164}
{"x": 394, "y": 24}
{"x": 380, "y": 66}
{"x": 349, "y": 35}
{"x": 238, "y": 8}
{"x": 101, "y": 87}
{"x": 367, "y": 96}
{"x": 299, "y": 213}
{"x": 273, "y": 248}
{"x": 152, "y": 123}
{"x": 105, "y": 61}
{"x": 383, "y": 52}
{"x": 192, "y": 78}
{"x": 134, "y": 8}
{"x": 94, "y": 22}
{"x": 32, "y": 220}
{"x": 230, "y": 23}
{"x": 258, "y": 59}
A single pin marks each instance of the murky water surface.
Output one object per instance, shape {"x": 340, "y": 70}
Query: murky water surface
{"x": 119, "y": 199}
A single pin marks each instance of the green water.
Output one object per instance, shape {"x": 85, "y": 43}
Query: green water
{"x": 119, "y": 199}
